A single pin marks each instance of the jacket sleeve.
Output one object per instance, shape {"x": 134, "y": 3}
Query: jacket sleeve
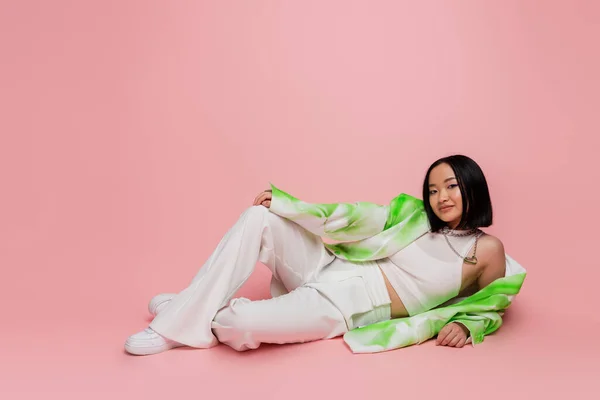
{"x": 479, "y": 324}
{"x": 402, "y": 332}
{"x": 336, "y": 221}
{"x": 483, "y": 322}
{"x": 480, "y": 313}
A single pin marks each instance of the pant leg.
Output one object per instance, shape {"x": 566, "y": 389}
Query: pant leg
{"x": 293, "y": 255}
{"x": 345, "y": 297}
{"x": 300, "y": 316}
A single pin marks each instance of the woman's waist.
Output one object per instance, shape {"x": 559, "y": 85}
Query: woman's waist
{"x": 411, "y": 294}
{"x": 397, "y": 307}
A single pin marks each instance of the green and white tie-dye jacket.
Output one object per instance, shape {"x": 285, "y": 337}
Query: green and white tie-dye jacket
{"x": 366, "y": 232}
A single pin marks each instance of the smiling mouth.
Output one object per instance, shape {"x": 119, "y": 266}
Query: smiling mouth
{"x": 446, "y": 208}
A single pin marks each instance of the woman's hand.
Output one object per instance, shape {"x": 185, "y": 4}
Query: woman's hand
{"x": 453, "y": 335}
{"x": 263, "y": 198}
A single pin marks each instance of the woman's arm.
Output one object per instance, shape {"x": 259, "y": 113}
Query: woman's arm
{"x": 494, "y": 261}
{"x": 493, "y": 258}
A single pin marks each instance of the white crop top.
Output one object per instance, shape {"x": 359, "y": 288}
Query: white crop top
{"x": 427, "y": 273}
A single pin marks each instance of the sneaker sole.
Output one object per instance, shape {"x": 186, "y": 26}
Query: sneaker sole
{"x": 146, "y": 351}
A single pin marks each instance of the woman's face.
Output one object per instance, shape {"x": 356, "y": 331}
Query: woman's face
{"x": 444, "y": 195}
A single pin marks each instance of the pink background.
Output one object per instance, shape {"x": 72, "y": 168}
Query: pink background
{"x": 134, "y": 133}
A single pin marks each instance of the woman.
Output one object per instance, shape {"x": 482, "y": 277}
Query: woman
{"x": 322, "y": 290}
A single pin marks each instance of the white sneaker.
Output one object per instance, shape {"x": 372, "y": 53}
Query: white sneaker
{"x": 149, "y": 342}
{"x": 159, "y": 302}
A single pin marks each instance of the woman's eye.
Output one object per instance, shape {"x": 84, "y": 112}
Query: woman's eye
{"x": 453, "y": 185}
{"x": 432, "y": 192}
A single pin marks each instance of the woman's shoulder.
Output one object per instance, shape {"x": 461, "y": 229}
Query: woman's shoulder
{"x": 491, "y": 249}
{"x": 491, "y": 242}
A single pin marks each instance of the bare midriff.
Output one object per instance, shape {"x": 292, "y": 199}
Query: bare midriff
{"x": 398, "y": 310}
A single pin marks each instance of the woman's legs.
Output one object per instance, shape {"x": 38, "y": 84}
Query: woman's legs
{"x": 302, "y": 315}
{"x": 345, "y": 295}
{"x": 293, "y": 255}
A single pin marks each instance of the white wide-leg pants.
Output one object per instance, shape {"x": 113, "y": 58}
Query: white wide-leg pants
{"x": 316, "y": 295}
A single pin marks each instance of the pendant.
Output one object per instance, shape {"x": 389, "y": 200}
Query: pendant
{"x": 471, "y": 260}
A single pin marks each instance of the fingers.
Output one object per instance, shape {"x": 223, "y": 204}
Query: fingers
{"x": 266, "y": 203}
{"x": 262, "y": 196}
{"x": 454, "y": 341}
{"x": 442, "y": 335}
{"x": 458, "y": 341}
{"x": 451, "y": 335}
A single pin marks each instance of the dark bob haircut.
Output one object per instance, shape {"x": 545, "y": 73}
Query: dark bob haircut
{"x": 477, "y": 206}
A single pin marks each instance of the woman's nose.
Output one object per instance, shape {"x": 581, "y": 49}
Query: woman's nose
{"x": 443, "y": 196}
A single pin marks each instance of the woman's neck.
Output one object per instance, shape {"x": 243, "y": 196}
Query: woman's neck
{"x": 454, "y": 227}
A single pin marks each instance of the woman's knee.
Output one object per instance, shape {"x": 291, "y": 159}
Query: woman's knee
{"x": 256, "y": 210}
{"x": 253, "y": 215}
{"x": 256, "y": 215}
{"x": 234, "y": 325}
{"x": 238, "y": 316}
